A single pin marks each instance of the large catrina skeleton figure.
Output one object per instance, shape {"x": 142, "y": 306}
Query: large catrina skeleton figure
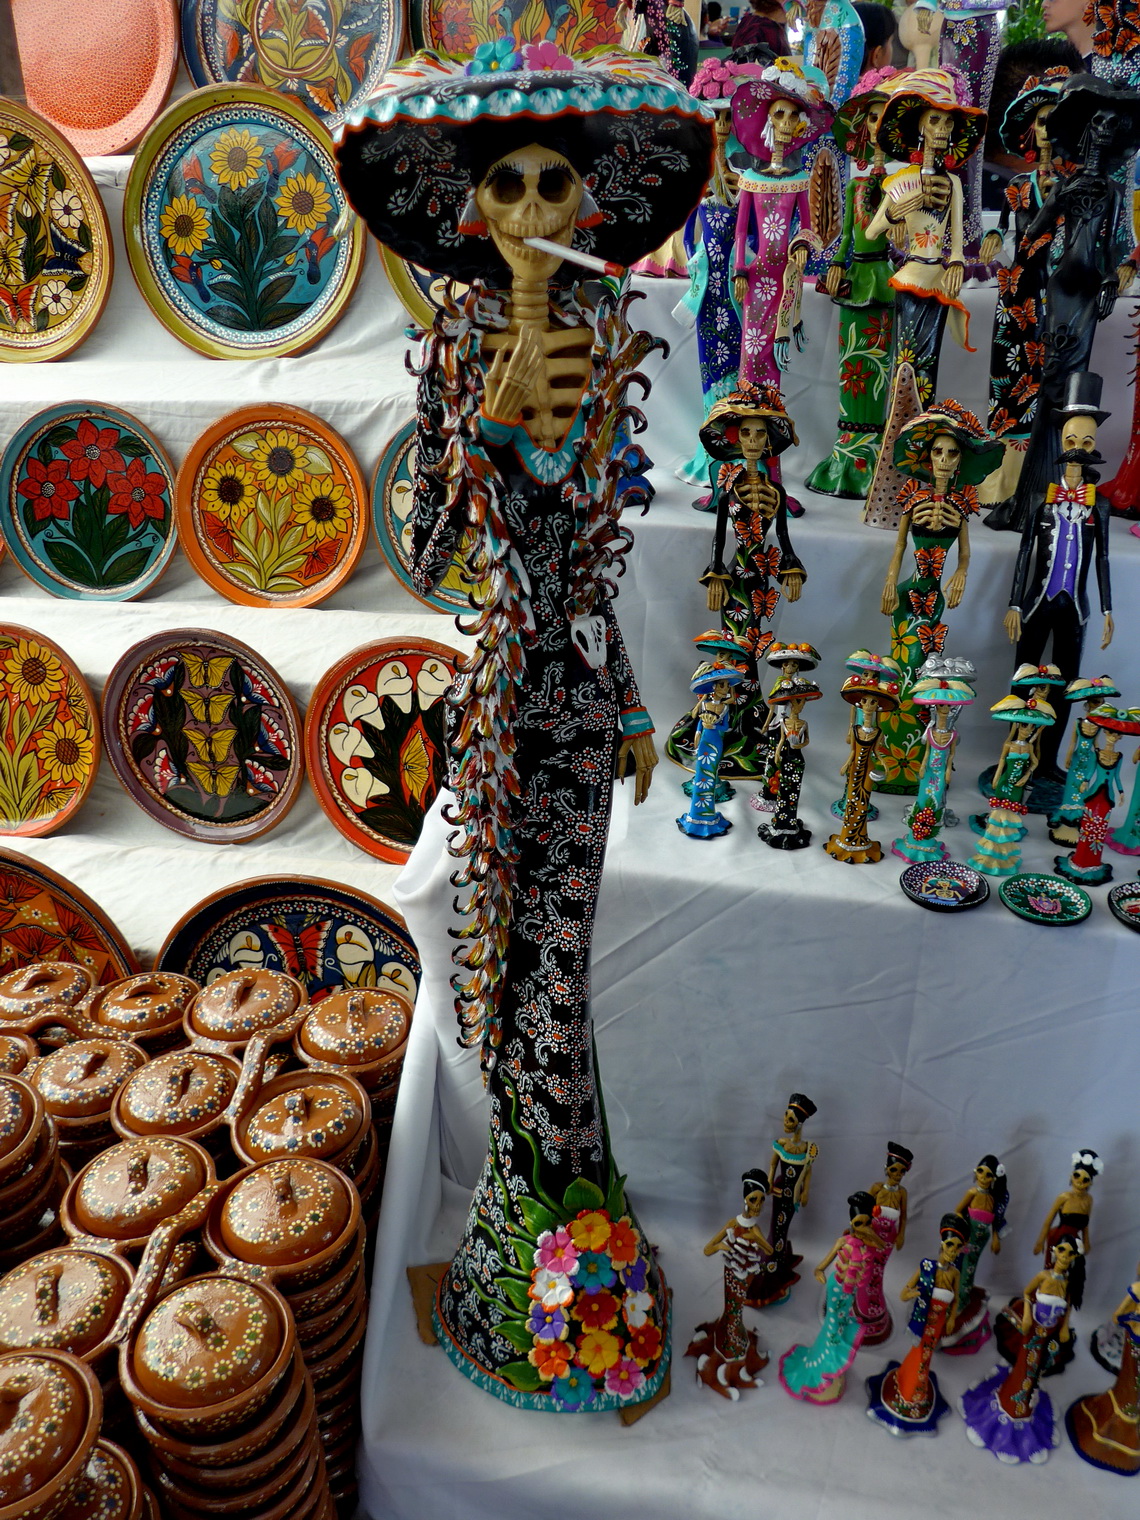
{"x": 523, "y": 465}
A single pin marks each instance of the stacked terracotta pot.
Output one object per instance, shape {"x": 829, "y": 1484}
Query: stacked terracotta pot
{"x": 46, "y": 1000}
{"x": 147, "y": 1008}
{"x": 78, "y": 1083}
{"x": 50, "y": 1409}
{"x": 32, "y": 1175}
{"x": 110, "y": 1488}
{"x": 184, "y": 1094}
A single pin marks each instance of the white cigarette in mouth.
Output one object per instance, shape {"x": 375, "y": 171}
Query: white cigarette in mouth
{"x": 587, "y": 260}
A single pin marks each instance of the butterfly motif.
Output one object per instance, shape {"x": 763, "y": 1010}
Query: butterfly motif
{"x": 1025, "y": 387}
{"x": 210, "y": 770}
{"x": 18, "y": 303}
{"x": 929, "y": 562}
{"x": 1034, "y": 352}
{"x": 301, "y": 945}
{"x": 66, "y": 255}
{"x": 932, "y": 636}
{"x": 1025, "y": 314}
{"x": 764, "y": 602}
{"x": 1017, "y": 196}
{"x": 206, "y": 671}
{"x": 923, "y": 604}
{"x": 768, "y": 560}
{"x": 207, "y": 708}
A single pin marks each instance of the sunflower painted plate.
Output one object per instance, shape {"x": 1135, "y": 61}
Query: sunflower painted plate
{"x": 203, "y": 735}
{"x": 44, "y": 917}
{"x": 87, "y": 502}
{"x": 326, "y": 935}
{"x": 463, "y": 26}
{"x": 328, "y": 54}
{"x": 272, "y": 507}
{"x": 55, "y": 254}
{"x": 375, "y": 744}
{"x": 237, "y": 230}
{"x": 1045, "y": 899}
{"x": 49, "y": 734}
{"x": 1124, "y": 900}
{"x": 945, "y": 886}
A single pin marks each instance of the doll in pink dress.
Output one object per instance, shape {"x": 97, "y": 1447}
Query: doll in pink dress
{"x": 818, "y": 1373}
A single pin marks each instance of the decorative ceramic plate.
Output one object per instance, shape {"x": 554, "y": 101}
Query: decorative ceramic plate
{"x": 1124, "y": 900}
{"x": 272, "y": 507}
{"x": 374, "y": 741}
{"x": 1045, "y": 899}
{"x": 203, "y": 735}
{"x": 49, "y": 734}
{"x": 945, "y": 887}
{"x": 419, "y": 290}
{"x": 238, "y": 232}
{"x": 99, "y": 72}
{"x": 43, "y": 917}
{"x": 55, "y": 254}
{"x": 460, "y": 26}
{"x": 326, "y": 935}
{"x": 328, "y": 54}
{"x": 87, "y": 502}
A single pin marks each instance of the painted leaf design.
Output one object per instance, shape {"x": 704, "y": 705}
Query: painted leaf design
{"x": 318, "y": 461}
{"x": 246, "y": 444}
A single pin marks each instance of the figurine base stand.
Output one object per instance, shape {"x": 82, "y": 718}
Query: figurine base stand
{"x": 888, "y": 1407}
{"x": 727, "y": 1375}
{"x": 853, "y": 855}
{"x": 704, "y": 828}
{"x": 785, "y": 839}
{"x": 1105, "y": 1427}
{"x": 1014, "y": 1441}
{"x": 1087, "y": 876}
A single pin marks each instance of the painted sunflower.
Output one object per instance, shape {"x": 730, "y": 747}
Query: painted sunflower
{"x": 229, "y": 491}
{"x": 279, "y": 460}
{"x": 184, "y": 225}
{"x": 237, "y": 158}
{"x": 304, "y": 202}
{"x": 31, "y": 672}
{"x": 65, "y": 750}
{"x": 323, "y": 508}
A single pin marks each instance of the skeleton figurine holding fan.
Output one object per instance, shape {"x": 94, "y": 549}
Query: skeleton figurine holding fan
{"x": 523, "y": 464}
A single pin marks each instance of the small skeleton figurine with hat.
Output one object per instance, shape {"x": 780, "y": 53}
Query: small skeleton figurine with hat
{"x": 999, "y": 850}
{"x": 1103, "y": 790}
{"x": 785, "y": 704}
{"x": 1080, "y": 763}
{"x": 714, "y": 683}
{"x": 943, "y": 689}
{"x": 792, "y": 661}
{"x": 871, "y": 694}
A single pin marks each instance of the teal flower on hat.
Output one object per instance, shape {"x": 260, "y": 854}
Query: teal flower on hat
{"x": 494, "y": 57}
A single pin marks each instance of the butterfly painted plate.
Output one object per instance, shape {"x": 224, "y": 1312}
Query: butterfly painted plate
{"x": 55, "y": 253}
{"x": 326, "y": 935}
{"x": 87, "y": 502}
{"x": 233, "y": 220}
{"x": 1124, "y": 900}
{"x": 1045, "y": 899}
{"x": 375, "y": 745}
{"x": 49, "y": 734}
{"x": 272, "y": 507}
{"x": 328, "y": 54}
{"x": 392, "y": 501}
{"x": 43, "y": 917}
{"x": 203, "y": 735}
{"x": 945, "y": 886}
{"x": 99, "y": 72}
{"x": 461, "y": 26}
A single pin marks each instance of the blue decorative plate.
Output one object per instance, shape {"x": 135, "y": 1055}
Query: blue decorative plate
{"x": 944, "y": 886}
{"x": 1045, "y": 899}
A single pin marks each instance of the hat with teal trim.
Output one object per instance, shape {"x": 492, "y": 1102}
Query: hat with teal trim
{"x": 1091, "y": 689}
{"x": 706, "y": 676}
{"x": 1036, "y": 711}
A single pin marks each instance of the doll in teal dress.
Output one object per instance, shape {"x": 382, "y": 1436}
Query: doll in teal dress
{"x": 1080, "y": 765}
{"x": 943, "y": 690}
{"x": 1086, "y": 864}
{"x": 713, "y": 683}
{"x": 999, "y": 849}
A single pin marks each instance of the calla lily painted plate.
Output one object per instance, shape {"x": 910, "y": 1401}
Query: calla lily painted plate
{"x": 203, "y": 735}
{"x": 45, "y": 917}
{"x": 238, "y": 233}
{"x": 272, "y": 507}
{"x": 326, "y": 935}
{"x": 87, "y": 502}
{"x": 375, "y": 741}
{"x": 55, "y": 243}
{"x": 1045, "y": 899}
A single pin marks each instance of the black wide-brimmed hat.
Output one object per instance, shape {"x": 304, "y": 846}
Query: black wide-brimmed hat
{"x": 1037, "y": 91}
{"x": 1082, "y": 96}
{"x": 412, "y": 155}
{"x": 718, "y": 434}
{"x": 981, "y": 453}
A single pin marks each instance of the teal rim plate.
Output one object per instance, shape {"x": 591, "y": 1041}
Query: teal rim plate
{"x": 1045, "y": 899}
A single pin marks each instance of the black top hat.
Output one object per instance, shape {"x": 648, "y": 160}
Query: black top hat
{"x": 1082, "y": 398}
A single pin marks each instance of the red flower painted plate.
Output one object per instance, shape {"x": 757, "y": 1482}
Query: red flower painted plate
{"x": 44, "y": 917}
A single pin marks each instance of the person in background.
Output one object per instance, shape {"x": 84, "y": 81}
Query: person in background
{"x": 717, "y": 25}
{"x": 1068, "y": 18}
{"x": 1017, "y": 63}
{"x": 879, "y": 31}
{"x": 766, "y": 22}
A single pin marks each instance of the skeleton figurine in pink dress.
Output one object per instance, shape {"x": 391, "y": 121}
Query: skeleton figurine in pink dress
{"x": 888, "y": 1223}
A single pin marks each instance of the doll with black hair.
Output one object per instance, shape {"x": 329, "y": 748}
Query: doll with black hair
{"x": 728, "y": 1358}
{"x": 789, "y": 1182}
{"x": 889, "y": 1225}
{"x": 983, "y": 1206}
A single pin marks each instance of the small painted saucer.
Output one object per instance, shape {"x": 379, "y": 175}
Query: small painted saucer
{"x": 1124, "y": 900}
{"x": 944, "y": 886}
{"x": 1045, "y": 899}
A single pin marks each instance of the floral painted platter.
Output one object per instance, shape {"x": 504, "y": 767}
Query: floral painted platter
{"x": 1124, "y": 901}
{"x": 49, "y": 734}
{"x": 945, "y": 886}
{"x": 203, "y": 735}
{"x": 44, "y": 917}
{"x": 99, "y": 72}
{"x": 272, "y": 507}
{"x": 488, "y": 29}
{"x": 238, "y": 233}
{"x": 419, "y": 290}
{"x": 87, "y": 502}
{"x": 326, "y": 935}
{"x": 392, "y": 502}
{"x": 56, "y": 257}
{"x": 328, "y": 54}
{"x": 375, "y": 743}
{"x": 1045, "y": 899}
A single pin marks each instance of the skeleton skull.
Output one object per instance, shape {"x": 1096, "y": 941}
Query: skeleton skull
{"x": 786, "y": 121}
{"x": 1041, "y": 127}
{"x": 935, "y": 127}
{"x": 753, "y": 437}
{"x": 945, "y": 454}
{"x": 532, "y": 192}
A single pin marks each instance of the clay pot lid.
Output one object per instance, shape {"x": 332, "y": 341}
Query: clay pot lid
{"x": 16, "y": 1050}
{"x": 240, "y": 1004}
{"x": 285, "y": 1212}
{"x": 63, "y": 1300}
{"x": 209, "y": 1340}
{"x": 148, "y": 1003}
{"x": 79, "y": 1081}
{"x": 132, "y": 1187}
{"x": 42, "y": 985}
{"x": 177, "y": 1094}
{"x": 109, "y": 1488}
{"x": 50, "y": 1409}
{"x": 356, "y": 1026}
{"x": 20, "y": 1109}
{"x": 318, "y": 1118}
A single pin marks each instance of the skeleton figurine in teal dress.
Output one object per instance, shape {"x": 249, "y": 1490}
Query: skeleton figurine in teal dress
{"x": 1080, "y": 766}
{"x": 999, "y": 849}
{"x": 943, "y": 689}
{"x": 713, "y": 683}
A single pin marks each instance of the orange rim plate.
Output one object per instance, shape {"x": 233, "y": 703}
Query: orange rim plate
{"x": 271, "y": 506}
{"x": 44, "y": 917}
{"x": 49, "y": 734}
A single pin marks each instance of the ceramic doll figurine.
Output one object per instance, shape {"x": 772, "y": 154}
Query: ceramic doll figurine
{"x": 713, "y": 683}
{"x": 969, "y": 47}
{"x": 906, "y": 1398}
{"x": 871, "y": 697}
{"x": 999, "y": 850}
{"x": 1086, "y": 865}
{"x": 924, "y": 126}
{"x": 787, "y": 831}
{"x": 942, "y": 691}
{"x": 1059, "y": 1353}
{"x": 522, "y": 456}
{"x": 1007, "y": 1412}
{"x": 858, "y": 281}
{"x": 728, "y": 1358}
{"x": 920, "y": 29}
{"x": 789, "y": 1182}
{"x": 888, "y": 1225}
{"x": 1105, "y": 1427}
{"x": 1126, "y": 839}
{"x": 818, "y": 1373}
{"x": 1017, "y": 352}
{"x": 1072, "y": 1209}
{"x": 833, "y": 43}
{"x": 1080, "y": 763}
{"x": 946, "y": 452}
{"x": 983, "y": 1208}
{"x": 744, "y": 433}
{"x": 790, "y": 661}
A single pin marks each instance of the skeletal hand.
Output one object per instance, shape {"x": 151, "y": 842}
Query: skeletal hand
{"x": 644, "y": 759}
{"x": 952, "y": 279}
{"x": 1013, "y": 624}
{"x": 511, "y": 382}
